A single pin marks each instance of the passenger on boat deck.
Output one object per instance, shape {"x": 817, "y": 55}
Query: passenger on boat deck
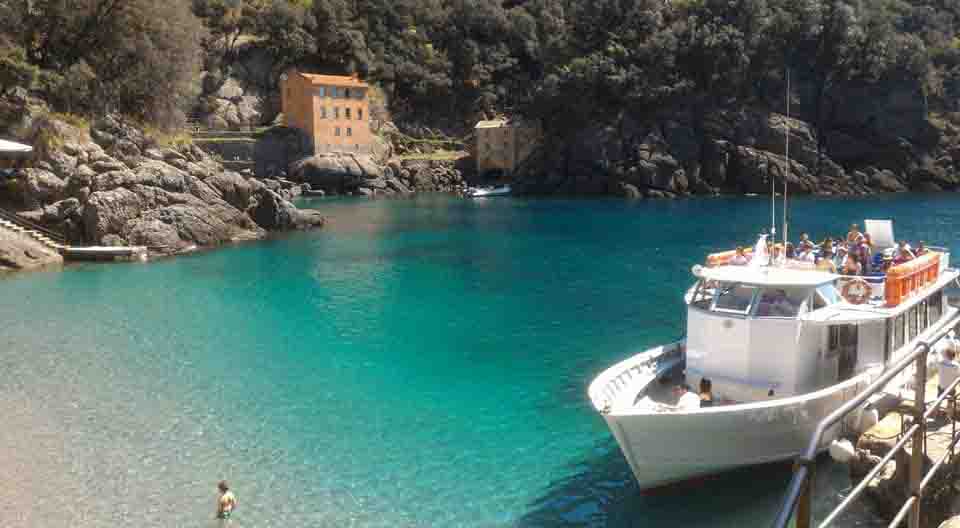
{"x": 776, "y": 257}
{"x": 686, "y": 399}
{"x": 706, "y": 392}
{"x": 805, "y": 244}
{"x": 948, "y": 369}
{"x": 903, "y": 254}
{"x": 825, "y": 260}
{"x": 851, "y": 266}
{"x": 739, "y": 258}
{"x": 791, "y": 254}
{"x": 840, "y": 258}
{"x": 921, "y": 249}
{"x": 865, "y": 253}
{"x": 854, "y": 235}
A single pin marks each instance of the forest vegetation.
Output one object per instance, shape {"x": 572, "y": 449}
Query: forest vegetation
{"x": 563, "y": 62}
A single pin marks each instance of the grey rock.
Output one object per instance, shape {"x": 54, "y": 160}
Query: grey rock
{"x": 230, "y": 90}
{"x": 20, "y": 252}
{"x": 102, "y": 165}
{"x": 39, "y": 187}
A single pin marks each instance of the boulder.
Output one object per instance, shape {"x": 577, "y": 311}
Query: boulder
{"x": 38, "y": 187}
{"x": 230, "y": 90}
{"x": 886, "y": 181}
{"x": 628, "y": 191}
{"x": 275, "y": 213}
{"x": 20, "y": 252}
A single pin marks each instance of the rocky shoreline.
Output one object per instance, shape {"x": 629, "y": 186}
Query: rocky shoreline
{"x": 111, "y": 184}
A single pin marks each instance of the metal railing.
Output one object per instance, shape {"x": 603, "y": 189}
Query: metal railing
{"x": 27, "y": 224}
{"x": 799, "y": 496}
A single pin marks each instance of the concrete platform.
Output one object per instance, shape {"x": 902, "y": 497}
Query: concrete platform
{"x": 104, "y": 252}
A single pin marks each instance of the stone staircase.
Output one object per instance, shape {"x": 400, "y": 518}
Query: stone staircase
{"x": 15, "y": 223}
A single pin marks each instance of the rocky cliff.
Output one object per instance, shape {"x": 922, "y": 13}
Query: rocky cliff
{"x": 111, "y": 184}
{"x": 879, "y": 138}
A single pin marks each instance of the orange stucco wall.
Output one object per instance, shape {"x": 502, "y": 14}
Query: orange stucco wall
{"x": 320, "y": 109}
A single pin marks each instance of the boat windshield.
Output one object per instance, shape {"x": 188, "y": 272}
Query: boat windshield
{"x": 829, "y": 293}
{"x": 781, "y": 302}
{"x": 734, "y": 298}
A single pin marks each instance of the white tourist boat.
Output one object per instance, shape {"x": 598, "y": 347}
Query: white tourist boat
{"x": 782, "y": 345}
{"x": 485, "y": 192}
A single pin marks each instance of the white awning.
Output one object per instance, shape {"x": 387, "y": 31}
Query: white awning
{"x": 767, "y": 276}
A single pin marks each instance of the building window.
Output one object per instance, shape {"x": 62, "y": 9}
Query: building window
{"x": 359, "y": 114}
{"x": 336, "y": 112}
{"x": 349, "y": 131}
{"x": 322, "y": 91}
{"x": 347, "y": 111}
{"x": 323, "y": 113}
{"x": 336, "y": 131}
{"x": 346, "y": 92}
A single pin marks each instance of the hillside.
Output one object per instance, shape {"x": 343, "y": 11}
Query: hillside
{"x": 635, "y": 97}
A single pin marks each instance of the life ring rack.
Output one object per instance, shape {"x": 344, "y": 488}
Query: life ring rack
{"x": 856, "y": 290}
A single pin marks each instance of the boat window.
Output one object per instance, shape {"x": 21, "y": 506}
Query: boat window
{"x": 829, "y": 293}
{"x": 781, "y": 302}
{"x": 912, "y": 321}
{"x": 702, "y": 293}
{"x": 734, "y": 298}
{"x": 899, "y": 325}
{"x": 935, "y": 306}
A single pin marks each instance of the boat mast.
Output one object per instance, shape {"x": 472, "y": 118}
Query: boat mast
{"x": 786, "y": 140}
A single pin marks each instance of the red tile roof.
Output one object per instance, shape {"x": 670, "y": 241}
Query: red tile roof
{"x": 335, "y": 80}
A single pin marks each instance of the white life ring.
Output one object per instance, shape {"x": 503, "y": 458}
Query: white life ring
{"x": 856, "y": 291}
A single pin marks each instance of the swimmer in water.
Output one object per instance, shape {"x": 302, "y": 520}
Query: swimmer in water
{"x": 226, "y": 502}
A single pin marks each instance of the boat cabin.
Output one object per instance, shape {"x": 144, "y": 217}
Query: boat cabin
{"x": 766, "y": 332}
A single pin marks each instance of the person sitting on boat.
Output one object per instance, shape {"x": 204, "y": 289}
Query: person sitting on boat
{"x": 706, "y": 392}
{"x": 686, "y": 399}
{"x": 921, "y": 249}
{"x": 739, "y": 258}
{"x": 825, "y": 260}
{"x": 790, "y": 252}
{"x": 805, "y": 244}
{"x": 903, "y": 254}
{"x": 852, "y": 266}
{"x": 776, "y": 257}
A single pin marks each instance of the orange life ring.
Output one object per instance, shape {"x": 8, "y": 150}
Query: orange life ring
{"x": 856, "y": 291}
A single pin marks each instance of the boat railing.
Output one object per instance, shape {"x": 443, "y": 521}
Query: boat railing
{"x": 605, "y": 389}
{"x": 799, "y": 496}
{"x": 903, "y": 280}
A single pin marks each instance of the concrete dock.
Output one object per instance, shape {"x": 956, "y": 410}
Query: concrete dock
{"x": 104, "y": 252}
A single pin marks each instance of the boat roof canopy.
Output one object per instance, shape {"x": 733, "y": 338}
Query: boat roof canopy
{"x": 767, "y": 276}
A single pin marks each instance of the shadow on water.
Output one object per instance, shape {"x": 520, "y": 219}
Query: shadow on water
{"x": 601, "y": 492}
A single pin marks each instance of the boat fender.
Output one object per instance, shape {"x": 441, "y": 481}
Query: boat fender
{"x": 842, "y": 451}
{"x": 856, "y": 291}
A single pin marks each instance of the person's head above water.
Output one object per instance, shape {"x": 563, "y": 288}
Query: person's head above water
{"x": 223, "y": 486}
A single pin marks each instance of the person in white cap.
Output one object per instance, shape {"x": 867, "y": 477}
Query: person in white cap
{"x": 948, "y": 370}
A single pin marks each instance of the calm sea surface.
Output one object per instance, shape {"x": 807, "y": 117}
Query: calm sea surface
{"x": 418, "y": 362}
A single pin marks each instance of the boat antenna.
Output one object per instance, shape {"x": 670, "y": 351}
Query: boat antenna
{"x": 786, "y": 140}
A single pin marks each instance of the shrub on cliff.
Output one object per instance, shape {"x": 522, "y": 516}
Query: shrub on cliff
{"x": 138, "y": 57}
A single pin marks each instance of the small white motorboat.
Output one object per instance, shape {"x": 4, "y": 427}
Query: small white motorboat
{"x": 484, "y": 192}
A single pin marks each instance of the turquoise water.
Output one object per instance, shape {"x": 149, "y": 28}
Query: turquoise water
{"x": 418, "y": 362}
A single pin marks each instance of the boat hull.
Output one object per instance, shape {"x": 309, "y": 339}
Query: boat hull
{"x": 664, "y": 447}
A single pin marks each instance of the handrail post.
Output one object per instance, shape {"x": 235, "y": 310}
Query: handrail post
{"x": 917, "y": 447}
{"x": 805, "y": 502}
